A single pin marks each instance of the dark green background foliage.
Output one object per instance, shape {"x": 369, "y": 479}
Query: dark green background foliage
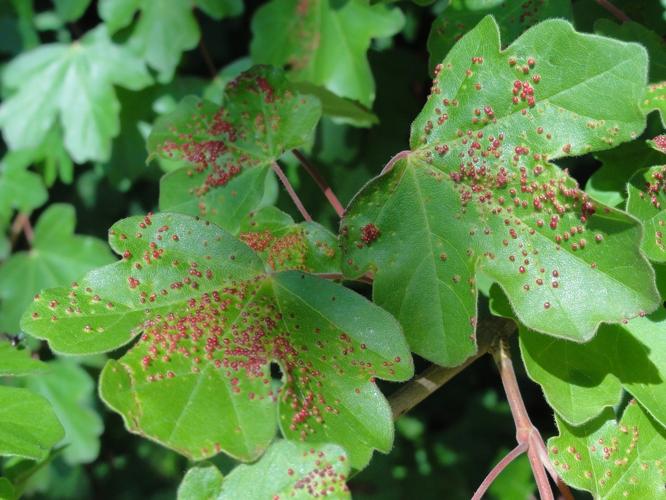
{"x": 83, "y": 85}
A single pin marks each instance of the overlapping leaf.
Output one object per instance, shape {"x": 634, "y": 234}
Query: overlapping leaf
{"x": 655, "y": 99}
{"x": 283, "y": 244}
{"x": 72, "y": 84}
{"x": 580, "y": 381}
{"x": 287, "y": 470}
{"x": 324, "y": 43}
{"x": 166, "y": 28}
{"x": 57, "y": 257}
{"x": 16, "y": 362}
{"x": 478, "y": 191}
{"x": 513, "y": 18}
{"x": 647, "y": 202}
{"x": 212, "y": 322}
{"x": 613, "y": 460}
{"x": 230, "y": 148}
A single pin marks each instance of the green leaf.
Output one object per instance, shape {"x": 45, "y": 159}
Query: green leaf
{"x": 513, "y": 17}
{"x": 201, "y": 482}
{"x": 7, "y": 491}
{"x": 647, "y": 202}
{"x": 613, "y": 460}
{"x": 287, "y": 470}
{"x": 609, "y": 183}
{"x": 57, "y": 257}
{"x": 71, "y": 392}
{"x": 165, "y": 29}
{"x": 28, "y": 426}
{"x": 339, "y": 109}
{"x": 19, "y": 189}
{"x": 478, "y": 192}
{"x": 17, "y": 362}
{"x": 70, "y": 10}
{"x": 633, "y": 32}
{"x": 655, "y": 99}
{"x": 282, "y": 244}
{"x": 198, "y": 379}
{"x": 324, "y": 43}
{"x": 72, "y": 83}
{"x": 230, "y": 149}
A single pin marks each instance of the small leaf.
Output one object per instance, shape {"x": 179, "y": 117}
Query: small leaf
{"x": 613, "y": 460}
{"x": 478, "y": 193}
{"x": 165, "y": 29}
{"x": 283, "y": 244}
{"x": 19, "y": 189}
{"x": 339, "y": 109}
{"x": 72, "y": 83}
{"x": 28, "y": 426}
{"x": 513, "y": 17}
{"x": 324, "y": 43}
{"x": 198, "y": 379}
{"x": 57, "y": 257}
{"x": 609, "y": 183}
{"x": 71, "y": 392}
{"x": 287, "y": 470}
{"x": 70, "y": 10}
{"x": 15, "y": 362}
{"x": 647, "y": 202}
{"x": 230, "y": 149}
{"x": 201, "y": 482}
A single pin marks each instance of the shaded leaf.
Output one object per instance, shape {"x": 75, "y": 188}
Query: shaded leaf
{"x": 613, "y": 460}
{"x": 478, "y": 192}
{"x": 28, "y": 426}
{"x": 71, "y": 392}
{"x": 324, "y": 43}
{"x": 165, "y": 28}
{"x": 70, "y": 10}
{"x": 74, "y": 84}
{"x": 7, "y": 491}
{"x": 17, "y": 362}
{"x": 513, "y": 17}
{"x": 198, "y": 379}
{"x": 339, "y": 109}
{"x": 57, "y": 257}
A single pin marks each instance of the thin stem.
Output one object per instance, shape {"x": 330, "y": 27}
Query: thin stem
{"x": 497, "y": 470}
{"x": 321, "y": 182}
{"x": 434, "y": 377}
{"x": 543, "y": 454}
{"x": 392, "y": 161}
{"x": 525, "y": 430}
{"x": 21, "y": 224}
{"x": 292, "y": 194}
{"x": 618, "y": 13}
{"x": 208, "y": 61}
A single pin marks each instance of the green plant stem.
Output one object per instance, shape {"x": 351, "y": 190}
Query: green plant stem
{"x": 208, "y": 61}
{"x": 290, "y": 190}
{"x": 497, "y": 470}
{"x": 434, "y": 377}
{"x": 321, "y": 182}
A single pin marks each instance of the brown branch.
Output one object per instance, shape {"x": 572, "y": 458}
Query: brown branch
{"x": 618, "y": 13}
{"x": 321, "y": 182}
{"x": 20, "y": 225}
{"x": 434, "y": 377}
{"x": 526, "y": 432}
{"x": 497, "y": 470}
{"x": 292, "y": 194}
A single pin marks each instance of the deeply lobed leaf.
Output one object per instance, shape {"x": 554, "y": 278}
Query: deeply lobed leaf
{"x": 211, "y": 322}
{"x": 479, "y": 191}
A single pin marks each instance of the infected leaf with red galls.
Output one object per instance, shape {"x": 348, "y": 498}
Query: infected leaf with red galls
{"x": 230, "y": 148}
{"x": 211, "y": 322}
{"x": 647, "y": 202}
{"x": 287, "y": 470}
{"x": 283, "y": 244}
{"x": 479, "y": 191}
